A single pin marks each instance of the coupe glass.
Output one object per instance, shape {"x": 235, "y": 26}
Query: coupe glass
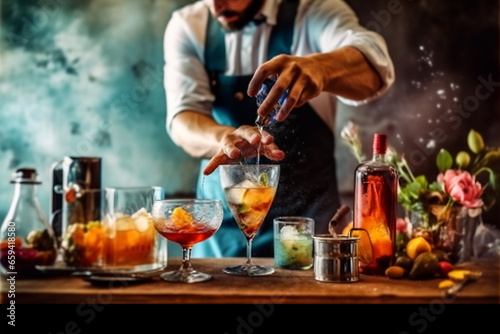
{"x": 250, "y": 191}
{"x": 187, "y": 222}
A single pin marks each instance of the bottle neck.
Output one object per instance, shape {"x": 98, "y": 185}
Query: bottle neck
{"x": 24, "y": 198}
{"x": 379, "y": 147}
{"x": 378, "y": 157}
{"x": 25, "y": 190}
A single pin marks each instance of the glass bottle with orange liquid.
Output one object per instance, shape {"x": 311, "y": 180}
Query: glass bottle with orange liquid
{"x": 375, "y": 206}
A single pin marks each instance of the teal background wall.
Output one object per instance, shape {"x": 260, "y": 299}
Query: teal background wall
{"x": 85, "y": 78}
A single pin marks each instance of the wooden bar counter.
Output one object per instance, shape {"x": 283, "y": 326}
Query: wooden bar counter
{"x": 283, "y": 287}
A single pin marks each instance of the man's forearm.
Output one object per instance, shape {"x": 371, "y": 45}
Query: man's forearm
{"x": 349, "y": 74}
{"x": 199, "y": 135}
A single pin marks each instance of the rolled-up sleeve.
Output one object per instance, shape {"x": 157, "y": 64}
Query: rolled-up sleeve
{"x": 185, "y": 79}
{"x": 337, "y": 26}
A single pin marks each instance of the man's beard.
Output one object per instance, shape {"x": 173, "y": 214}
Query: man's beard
{"x": 244, "y": 17}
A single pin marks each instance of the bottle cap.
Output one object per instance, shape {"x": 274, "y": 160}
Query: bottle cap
{"x": 379, "y": 143}
{"x": 25, "y": 175}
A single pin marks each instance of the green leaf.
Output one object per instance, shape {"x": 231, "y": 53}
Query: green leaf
{"x": 422, "y": 181}
{"x": 444, "y": 160}
{"x": 413, "y": 190}
{"x": 436, "y": 186}
{"x": 493, "y": 181}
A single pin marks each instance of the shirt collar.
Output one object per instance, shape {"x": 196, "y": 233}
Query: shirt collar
{"x": 269, "y": 11}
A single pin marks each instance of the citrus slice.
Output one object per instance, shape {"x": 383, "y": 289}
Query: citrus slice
{"x": 236, "y": 193}
{"x": 258, "y": 198}
{"x": 458, "y": 274}
{"x": 416, "y": 246}
{"x": 445, "y": 284}
{"x": 181, "y": 218}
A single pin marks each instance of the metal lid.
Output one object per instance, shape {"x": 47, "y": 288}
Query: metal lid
{"x": 25, "y": 175}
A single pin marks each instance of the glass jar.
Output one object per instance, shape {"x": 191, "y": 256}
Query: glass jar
{"x": 27, "y": 239}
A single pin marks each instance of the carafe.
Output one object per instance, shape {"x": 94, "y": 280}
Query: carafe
{"x": 27, "y": 239}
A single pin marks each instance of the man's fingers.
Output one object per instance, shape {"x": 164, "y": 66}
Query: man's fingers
{"x": 274, "y": 153}
{"x": 217, "y": 160}
{"x": 245, "y": 144}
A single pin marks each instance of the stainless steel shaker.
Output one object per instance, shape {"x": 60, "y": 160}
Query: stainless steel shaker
{"x": 336, "y": 258}
{"x": 76, "y": 192}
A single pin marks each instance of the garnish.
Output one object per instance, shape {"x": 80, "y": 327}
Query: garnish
{"x": 263, "y": 179}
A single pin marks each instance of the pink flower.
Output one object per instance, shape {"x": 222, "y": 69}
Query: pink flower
{"x": 462, "y": 187}
{"x": 401, "y": 225}
{"x": 404, "y": 226}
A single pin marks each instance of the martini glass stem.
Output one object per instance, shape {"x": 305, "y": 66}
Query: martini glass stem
{"x": 249, "y": 252}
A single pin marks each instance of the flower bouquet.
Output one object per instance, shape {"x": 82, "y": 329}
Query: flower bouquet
{"x": 447, "y": 210}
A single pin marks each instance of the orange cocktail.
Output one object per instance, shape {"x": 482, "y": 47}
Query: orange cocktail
{"x": 131, "y": 240}
{"x": 249, "y": 191}
{"x": 251, "y": 210}
{"x": 187, "y": 222}
{"x": 183, "y": 228}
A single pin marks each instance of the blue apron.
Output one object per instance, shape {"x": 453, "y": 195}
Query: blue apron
{"x": 307, "y": 185}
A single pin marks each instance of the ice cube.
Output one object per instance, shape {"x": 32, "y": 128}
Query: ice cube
{"x": 125, "y": 223}
{"x": 236, "y": 193}
{"x": 142, "y": 223}
{"x": 289, "y": 232}
{"x": 141, "y": 220}
{"x": 250, "y": 180}
{"x": 247, "y": 183}
{"x": 140, "y": 212}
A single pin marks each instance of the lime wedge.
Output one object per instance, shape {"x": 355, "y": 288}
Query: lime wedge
{"x": 263, "y": 179}
{"x": 243, "y": 208}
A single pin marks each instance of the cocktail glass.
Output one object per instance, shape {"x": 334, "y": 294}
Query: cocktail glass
{"x": 250, "y": 191}
{"x": 187, "y": 222}
{"x": 131, "y": 239}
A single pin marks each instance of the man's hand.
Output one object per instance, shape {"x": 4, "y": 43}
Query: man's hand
{"x": 302, "y": 76}
{"x": 244, "y": 142}
{"x": 344, "y": 72}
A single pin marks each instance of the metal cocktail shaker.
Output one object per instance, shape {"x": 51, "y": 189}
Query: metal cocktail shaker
{"x": 336, "y": 258}
{"x": 76, "y": 192}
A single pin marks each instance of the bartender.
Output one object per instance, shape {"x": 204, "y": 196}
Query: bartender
{"x": 217, "y": 55}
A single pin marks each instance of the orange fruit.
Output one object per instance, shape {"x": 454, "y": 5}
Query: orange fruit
{"x": 417, "y": 246}
{"x": 78, "y": 233}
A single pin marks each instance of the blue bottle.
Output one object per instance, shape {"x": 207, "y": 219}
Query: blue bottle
{"x": 261, "y": 96}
